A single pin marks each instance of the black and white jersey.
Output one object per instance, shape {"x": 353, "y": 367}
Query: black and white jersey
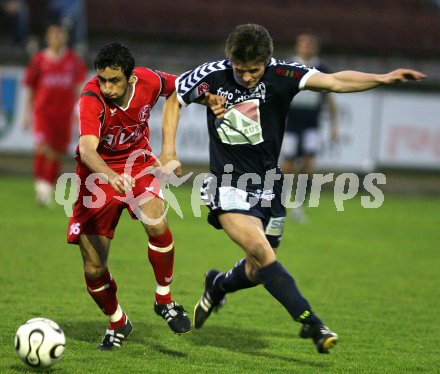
{"x": 250, "y": 135}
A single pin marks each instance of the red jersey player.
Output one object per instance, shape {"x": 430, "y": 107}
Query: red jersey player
{"x": 112, "y": 153}
{"x": 53, "y": 78}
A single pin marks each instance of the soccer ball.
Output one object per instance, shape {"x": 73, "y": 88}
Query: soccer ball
{"x": 40, "y": 342}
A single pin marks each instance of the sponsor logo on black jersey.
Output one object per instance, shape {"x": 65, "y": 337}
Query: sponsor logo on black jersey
{"x": 287, "y": 73}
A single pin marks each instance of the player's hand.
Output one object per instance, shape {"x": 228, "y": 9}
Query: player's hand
{"x": 167, "y": 165}
{"x": 402, "y": 75}
{"x": 216, "y": 103}
{"x": 122, "y": 182}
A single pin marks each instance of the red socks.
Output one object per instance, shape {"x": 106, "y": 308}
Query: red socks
{"x": 161, "y": 256}
{"x": 45, "y": 168}
{"x": 38, "y": 165}
{"x": 52, "y": 171}
{"x": 120, "y": 323}
{"x": 103, "y": 291}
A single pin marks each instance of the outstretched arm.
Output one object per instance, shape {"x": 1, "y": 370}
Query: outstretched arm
{"x": 356, "y": 81}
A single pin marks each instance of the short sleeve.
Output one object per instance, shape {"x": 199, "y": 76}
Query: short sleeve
{"x": 168, "y": 83}
{"x": 194, "y": 83}
{"x": 290, "y": 77}
{"x": 305, "y": 78}
{"x": 91, "y": 111}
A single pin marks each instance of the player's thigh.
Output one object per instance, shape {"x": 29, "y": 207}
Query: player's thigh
{"x": 52, "y": 131}
{"x": 97, "y": 209}
{"x": 146, "y": 204}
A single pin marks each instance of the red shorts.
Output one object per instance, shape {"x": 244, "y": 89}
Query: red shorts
{"x": 55, "y": 131}
{"x": 98, "y": 207}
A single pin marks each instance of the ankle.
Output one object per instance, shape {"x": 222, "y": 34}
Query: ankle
{"x": 216, "y": 291}
{"x": 120, "y": 323}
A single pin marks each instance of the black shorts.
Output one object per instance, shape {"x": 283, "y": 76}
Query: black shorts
{"x": 300, "y": 143}
{"x": 253, "y": 200}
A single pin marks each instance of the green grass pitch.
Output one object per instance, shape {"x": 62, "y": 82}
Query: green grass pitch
{"x": 371, "y": 274}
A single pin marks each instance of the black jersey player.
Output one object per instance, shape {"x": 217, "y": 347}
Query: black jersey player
{"x": 243, "y": 190}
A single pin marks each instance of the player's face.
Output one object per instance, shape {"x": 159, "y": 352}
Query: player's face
{"x": 248, "y": 74}
{"x": 307, "y": 47}
{"x": 56, "y": 37}
{"x": 113, "y": 84}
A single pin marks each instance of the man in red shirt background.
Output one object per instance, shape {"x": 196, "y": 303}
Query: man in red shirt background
{"x": 53, "y": 79}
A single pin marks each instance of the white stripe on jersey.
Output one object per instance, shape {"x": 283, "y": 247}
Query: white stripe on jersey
{"x": 187, "y": 82}
{"x": 288, "y": 63}
{"x": 305, "y": 78}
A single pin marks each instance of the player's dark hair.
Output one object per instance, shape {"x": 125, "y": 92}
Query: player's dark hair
{"x": 115, "y": 55}
{"x": 249, "y": 43}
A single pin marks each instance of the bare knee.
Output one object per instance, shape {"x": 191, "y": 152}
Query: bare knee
{"x": 94, "y": 270}
{"x": 94, "y": 252}
{"x": 46, "y": 150}
{"x": 156, "y": 230}
{"x": 155, "y": 223}
{"x": 251, "y": 271}
{"x": 259, "y": 254}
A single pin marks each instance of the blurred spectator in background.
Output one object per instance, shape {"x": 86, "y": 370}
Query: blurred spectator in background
{"x": 301, "y": 140}
{"x": 53, "y": 79}
{"x": 72, "y": 14}
{"x": 16, "y": 13}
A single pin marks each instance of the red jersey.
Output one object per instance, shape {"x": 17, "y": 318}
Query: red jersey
{"x": 54, "y": 82}
{"x": 121, "y": 131}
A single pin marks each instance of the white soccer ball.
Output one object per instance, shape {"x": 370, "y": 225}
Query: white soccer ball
{"x": 40, "y": 342}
